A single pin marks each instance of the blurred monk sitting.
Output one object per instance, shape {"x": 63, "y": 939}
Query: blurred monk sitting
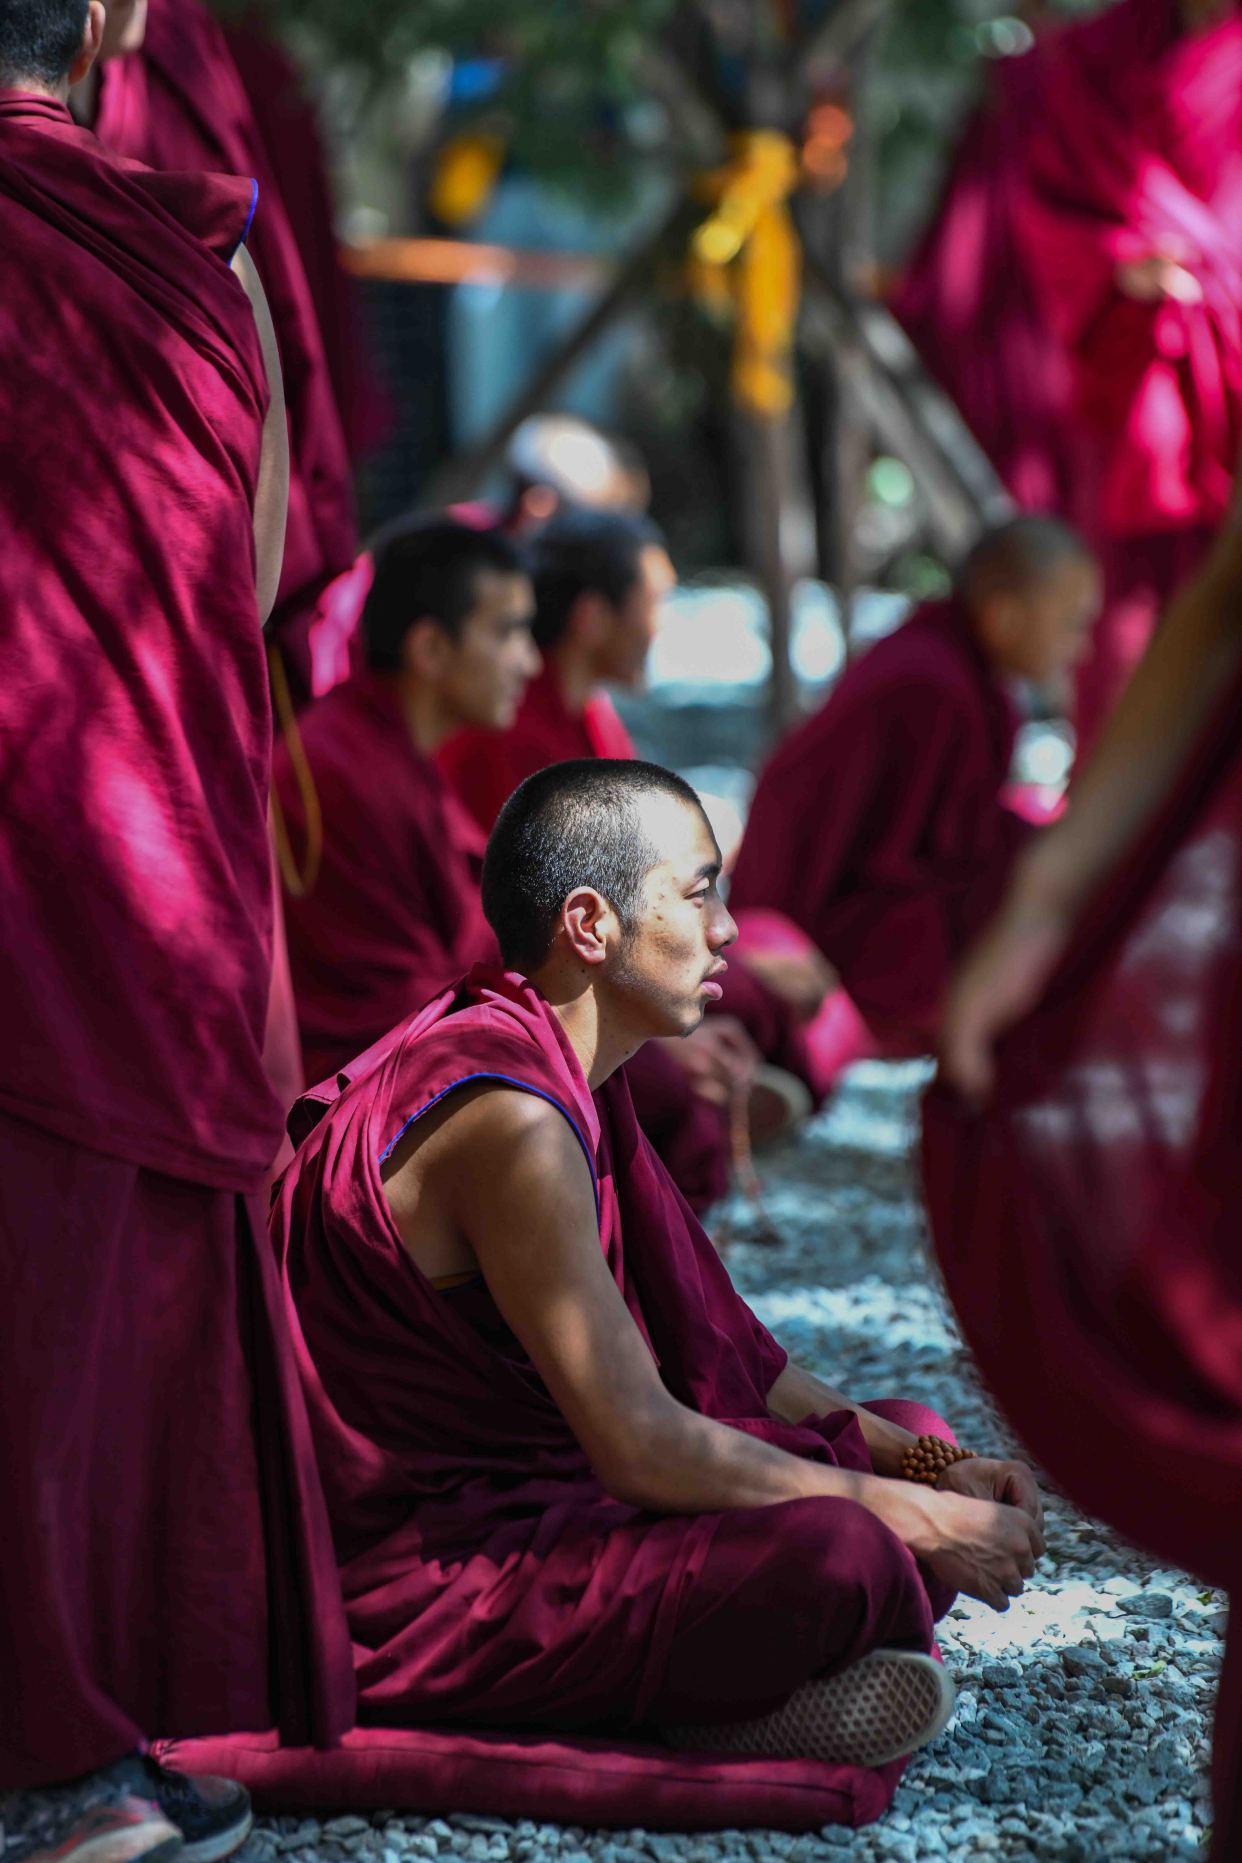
{"x": 574, "y": 1482}
{"x": 393, "y": 914}
{"x": 880, "y": 826}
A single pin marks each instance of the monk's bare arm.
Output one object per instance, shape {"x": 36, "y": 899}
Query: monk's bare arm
{"x": 516, "y": 1183}
{"x": 271, "y": 501}
{"x": 798, "y": 1394}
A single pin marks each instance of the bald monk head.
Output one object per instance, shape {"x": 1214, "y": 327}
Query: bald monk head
{"x": 1032, "y": 589}
{"x": 448, "y": 617}
{"x": 558, "y": 462}
{"x": 600, "y": 577}
{"x": 49, "y": 45}
{"x": 600, "y": 885}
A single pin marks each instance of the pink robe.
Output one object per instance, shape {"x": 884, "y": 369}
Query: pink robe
{"x": 489, "y": 1578}
{"x": 1087, "y": 1221}
{"x": 1110, "y": 139}
{"x": 153, "y": 1577}
{"x": 878, "y": 826}
{"x": 179, "y": 104}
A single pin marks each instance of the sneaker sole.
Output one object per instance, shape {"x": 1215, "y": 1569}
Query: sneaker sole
{"x": 223, "y": 1844}
{"x": 887, "y": 1705}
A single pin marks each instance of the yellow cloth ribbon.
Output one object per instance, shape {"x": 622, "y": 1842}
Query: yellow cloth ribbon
{"x": 465, "y": 176}
{"x": 747, "y": 255}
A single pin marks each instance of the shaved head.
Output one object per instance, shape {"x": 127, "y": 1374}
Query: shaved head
{"x": 1014, "y": 556}
{"x": 39, "y": 40}
{"x": 580, "y": 823}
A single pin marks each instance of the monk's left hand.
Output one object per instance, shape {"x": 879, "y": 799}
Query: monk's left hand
{"x": 984, "y": 1478}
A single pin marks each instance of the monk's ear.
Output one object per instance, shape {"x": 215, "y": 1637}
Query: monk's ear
{"x": 590, "y": 619}
{"x": 92, "y": 39}
{"x": 589, "y": 925}
{"x": 425, "y": 650}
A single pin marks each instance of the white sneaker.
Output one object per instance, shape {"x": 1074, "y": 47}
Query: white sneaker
{"x": 882, "y": 1707}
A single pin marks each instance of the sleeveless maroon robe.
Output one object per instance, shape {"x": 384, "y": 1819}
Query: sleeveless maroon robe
{"x": 178, "y": 103}
{"x": 1087, "y": 1221}
{"x": 489, "y": 1579}
{"x": 165, "y": 1562}
{"x": 878, "y": 825}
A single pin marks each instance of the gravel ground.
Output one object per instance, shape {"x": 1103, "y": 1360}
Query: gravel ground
{"x": 1083, "y": 1714}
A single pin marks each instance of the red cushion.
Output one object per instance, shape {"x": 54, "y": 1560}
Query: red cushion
{"x": 540, "y": 1776}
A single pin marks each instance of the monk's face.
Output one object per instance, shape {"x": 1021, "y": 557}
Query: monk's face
{"x": 125, "y": 27}
{"x": 482, "y": 674}
{"x": 664, "y": 973}
{"x": 1044, "y": 629}
{"x": 627, "y": 628}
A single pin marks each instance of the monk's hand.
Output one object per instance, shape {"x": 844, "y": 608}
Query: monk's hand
{"x": 719, "y": 1058}
{"x": 984, "y": 1548}
{"x": 1001, "y": 978}
{"x": 989, "y": 1479}
{"x": 1157, "y": 278}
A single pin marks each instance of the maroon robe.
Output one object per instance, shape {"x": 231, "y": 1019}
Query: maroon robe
{"x": 1087, "y": 1221}
{"x": 1113, "y": 138}
{"x": 179, "y": 104}
{"x": 485, "y": 767}
{"x": 394, "y": 913}
{"x": 878, "y": 826}
{"x": 489, "y": 1578}
{"x": 151, "y": 1578}
{"x": 287, "y": 121}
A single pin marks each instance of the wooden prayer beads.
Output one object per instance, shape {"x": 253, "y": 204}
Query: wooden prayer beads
{"x": 927, "y": 1459}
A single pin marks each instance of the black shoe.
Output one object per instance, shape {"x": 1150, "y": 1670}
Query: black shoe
{"x": 212, "y": 1814}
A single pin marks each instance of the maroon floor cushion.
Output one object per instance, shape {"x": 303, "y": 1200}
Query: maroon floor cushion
{"x": 566, "y": 1781}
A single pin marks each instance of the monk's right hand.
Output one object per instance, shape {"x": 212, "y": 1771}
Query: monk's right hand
{"x": 984, "y": 1548}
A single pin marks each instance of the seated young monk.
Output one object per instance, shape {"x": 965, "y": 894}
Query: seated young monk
{"x": 394, "y": 913}
{"x": 880, "y": 826}
{"x": 574, "y": 1482}
{"x": 600, "y": 577}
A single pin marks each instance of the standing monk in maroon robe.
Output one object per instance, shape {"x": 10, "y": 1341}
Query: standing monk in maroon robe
{"x": 879, "y": 826}
{"x": 1083, "y": 1182}
{"x": 172, "y": 98}
{"x": 1081, "y": 295}
{"x": 599, "y": 580}
{"x": 394, "y": 914}
{"x": 165, "y": 1565}
{"x": 574, "y": 1482}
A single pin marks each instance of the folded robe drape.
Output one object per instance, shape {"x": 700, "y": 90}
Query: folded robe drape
{"x": 489, "y": 1579}
{"x": 878, "y": 825}
{"x": 165, "y": 1560}
{"x": 1087, "y": 1221}
{"x": 179, "y": 103}
{"x": 1111, "y": 139}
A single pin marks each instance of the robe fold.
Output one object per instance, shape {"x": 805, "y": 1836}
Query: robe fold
{"x": 1115, "y": 137}
{"x": 878, "y": 825}
{"x": 179, "y": 103}
{"x": 489, "y": 1578}
{"x": 151, "y": 1576}
{"x": 1087, "y": 1221}
{"x": 395, "y": 913}
{"x": 485, "y": 767}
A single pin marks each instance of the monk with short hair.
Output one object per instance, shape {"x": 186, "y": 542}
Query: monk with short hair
{"x": 881, "y": 826}
{"x": 574, "y": 1482}
{"x": 165, "y": 1566}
